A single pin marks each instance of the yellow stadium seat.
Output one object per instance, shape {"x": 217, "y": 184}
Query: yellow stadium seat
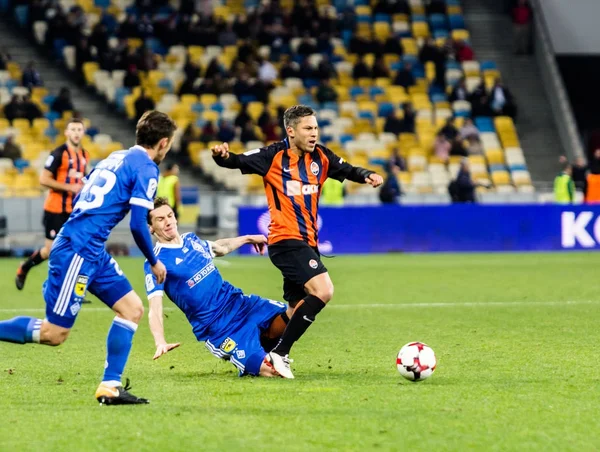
{"x": 255, "y": 109}
{"x": 89, "y": 69}
{"x": 221, "y": 12}
{"x": 420, "y": 30}
{"x": 210, "y": 115}
{"x": 382, "y": 30}
{"x": 39, "y": 91}
{"x": 400, "y": 18}
{"x": 208, "y": 99}
{"x": 4, "y": 124}
{"x": 495, "y": 156}
{"x": 134, "y": 43}
{"x": 461, "y": 35}
{"x": 41, "y": 124}
{"x": 410, "y": 46}
{"x": 189, "y": 99}
{"x": 501, "y": 178}
{"x": 504, "y": 123}
{"x": 22, "y": 124}
{"x": 363, "y": 10}
{"x": 454, "y": 9}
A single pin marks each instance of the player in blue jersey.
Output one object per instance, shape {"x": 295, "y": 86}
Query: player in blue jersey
{"x": 125, "y": 181}
{"x": 234, "y": 326}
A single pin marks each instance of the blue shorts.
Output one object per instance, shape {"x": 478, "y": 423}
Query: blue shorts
{"x": 241, "y": 343}
{"x": 70, "y": 276}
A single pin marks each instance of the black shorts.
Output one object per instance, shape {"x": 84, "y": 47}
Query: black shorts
{"x": 53, "y": 222}
{"x": 298, "y": 263}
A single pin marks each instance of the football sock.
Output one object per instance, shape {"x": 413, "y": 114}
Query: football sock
{"x": 270, "y": 337}
{"x": 20, "y": 330}
{"x": 304, "y": 315}
{"x": 32, "y": 261}
{"x": 118, "y": 345}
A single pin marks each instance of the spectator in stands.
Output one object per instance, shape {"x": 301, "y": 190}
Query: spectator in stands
{"x": 206, "y": 87}
{"x": 267, "y": 72}
{"x": 393, "y": 124}
{"x": 11, "y": 150}
{"x": 4, "y": 59}
{"x": 142, "y": 104}
{"x": 31, "y": 77}
{"x": 435, "y": 7}
{"x": 271, "y": 130}
{"x": 248, "y": 133}
{"x": 326, "y": 92}
{"x": 360, "y": 69}
{"x": 306, "y": 70}
{"x": 458, "y": 147}
{"x": 306, "y": 46}
{"x": 474, "y": 145}
{"x": 208, "y": 133}
{"x": 464, "y": 52}
{"x": 442, "y": 147}
{"x": 459, "y": 92}
{"x": 149, "y": 60}
{"x": 63, "y": 102}
{"x": 128, "y": 28}
{"x": 468, "y": 129}
{"x": 99, "y": 38}
{"x": 242, "y": 88}
{"x": 376, "y": 46}
{"x": 405, "y": 77}
{"x": 449, "y": 130}
{"x": 501, "y": 100}
{"x": 380, "y": 69}
{"x": 462, "y": 189}
{"x": 396, "y": 160}
{"x": 132, "y": 78}
{"x": 408, "y": 119}
{"x": 564, "y": 188}
{"x": 15, "y": 109}
{"x": 32, "y": 110}
{"x": 326, "y": 70}
{"x": 522, "y": 16}
{"x": 288, "y": 69}
{"x": 226, "y": 132}
{"x": 227, "y": 37}
{"x": 214, "y": 67}
{"x": 390, "y": 191}
{"x": 579, "y": 174}
{"x": 393, "y": 46}
{"x": 243, "y": 117}
{"x": 83, "y": 54}
{"x": 595, "y": 162}
{"x": 481, "y": 107}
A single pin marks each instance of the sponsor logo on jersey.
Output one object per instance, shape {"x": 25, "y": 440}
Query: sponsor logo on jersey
{"x": 228, "y": 345}
{"x": 75, "y": 308}
{"x": 149, "y": 283}
{"x": 241, "y": 354}
{"x": 201, "y": 250}
{"x": 295, "y": 188}
{"x": 313, "y": 263}
{"x": 207, "y": 270}
{"x": 80, "y": 286}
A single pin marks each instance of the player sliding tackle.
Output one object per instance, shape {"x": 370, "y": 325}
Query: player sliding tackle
{"x": 124, "y": 181}
{"x": 234, "y": 326}
{"x": 294, "y": 171}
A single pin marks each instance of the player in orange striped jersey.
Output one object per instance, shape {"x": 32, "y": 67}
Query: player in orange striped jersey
{"x": 63, "y": 174}
{"x": 294, "y": 171}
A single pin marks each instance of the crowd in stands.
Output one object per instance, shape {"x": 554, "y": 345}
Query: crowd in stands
{"x": 394, "y": 68}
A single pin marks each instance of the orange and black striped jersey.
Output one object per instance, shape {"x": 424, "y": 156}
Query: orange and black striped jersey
{"x": 293, "y": 185}
{"x": 67, "y": 166}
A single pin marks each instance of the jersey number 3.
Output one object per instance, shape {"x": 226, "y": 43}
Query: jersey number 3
{"x": 96, "y": 190}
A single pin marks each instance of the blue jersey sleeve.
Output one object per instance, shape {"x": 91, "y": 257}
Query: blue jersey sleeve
{"x": 144, "y": 186}
{"x": 152, "y": 287}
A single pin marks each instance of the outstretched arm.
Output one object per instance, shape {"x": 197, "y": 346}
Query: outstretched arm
{"x": 340, "y": 170}
{"x": 222, "y": 247}
{"x": 155, "y": 319}
{"x": 256, "y": 161}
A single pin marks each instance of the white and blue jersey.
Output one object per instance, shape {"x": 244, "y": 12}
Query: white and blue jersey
{"x": 78, "y": 260}
{"x": 228, "y": 321}
{"x": 123, "y": 179}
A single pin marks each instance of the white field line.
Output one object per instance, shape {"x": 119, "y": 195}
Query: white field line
{"x": 476, "y": 304}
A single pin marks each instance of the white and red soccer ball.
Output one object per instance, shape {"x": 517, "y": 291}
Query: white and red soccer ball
{"x": 416, "y": 361}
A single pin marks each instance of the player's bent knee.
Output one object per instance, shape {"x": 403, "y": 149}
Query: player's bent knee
{"x": 130, "y": 307}
{"x": 53, "y": 335}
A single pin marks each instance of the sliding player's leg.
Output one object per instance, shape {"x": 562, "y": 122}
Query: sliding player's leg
{"x": 112, "y": 287}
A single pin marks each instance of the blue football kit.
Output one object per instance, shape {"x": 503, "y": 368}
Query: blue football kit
{"x": 229, "y": 322}
{"x": 78, "y": 260}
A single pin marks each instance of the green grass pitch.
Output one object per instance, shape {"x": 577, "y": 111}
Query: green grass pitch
{"x": 516, "y": 338}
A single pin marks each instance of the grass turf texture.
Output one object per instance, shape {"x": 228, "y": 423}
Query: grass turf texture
{"x": 515, "y": 335}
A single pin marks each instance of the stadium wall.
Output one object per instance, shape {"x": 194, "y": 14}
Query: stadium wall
{"x": 454, "y": 228}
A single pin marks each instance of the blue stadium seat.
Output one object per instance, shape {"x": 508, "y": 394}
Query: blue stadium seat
{"x": 21, "y": 164}
{"x": 438, "y": 22}
{"x": 375, "y": 90}
{"x": 419, "y": 18}
{"x": 494, "y": 168}
{"x": 356, "y": 90}
{"x": 52, "y": 116}
{"x": 102, "y": 3}
{"x": 382, "y": 18}
{"x": 437, "y": 34}
{"x": 450, "y": 64}
{"x": 363, "y": 19}
{"x": 438, "y": 97}
{"x": 304, "y": 98}
{"x": 331, "y": 106}
{"x": 346, "y": 137}
{"x": 519, "y": 167}
{"x": 457, "y": 22}
{"x": 197, "y": 107}
{"x": 462, "y": 114}
{"x": 485, "y": 65}
{"x": 22, "y": 15}
{"x": 485, "y": 124}
{"x": 59, "y": 45}
{"x": 385, "y": 108}
{"x": 218, "y": 107}
{"x": 167, "y": 84}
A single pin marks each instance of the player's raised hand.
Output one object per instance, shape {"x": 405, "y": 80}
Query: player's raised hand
{"x": 160, "y": 272}
{"x": 76, "y": 187}
{"x": 374, "y": 179}
{"x": 221, "y": 150}
{"x": 259, "y": 241}
{"x": 163, "y": 349}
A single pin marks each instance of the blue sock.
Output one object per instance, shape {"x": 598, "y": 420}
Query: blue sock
{"x": 118, "y": 345}
{"x": 20, "y": 330}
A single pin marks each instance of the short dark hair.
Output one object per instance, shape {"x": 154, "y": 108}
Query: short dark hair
{"x": 74, "y": 121}
{"x": 158, "y": 202}
{"x": 170, "y": 165}
{"x": 152, "y": 127}
{"x": 292, "y": 116}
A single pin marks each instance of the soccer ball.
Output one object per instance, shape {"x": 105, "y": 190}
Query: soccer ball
{"x": 416, "y": 361}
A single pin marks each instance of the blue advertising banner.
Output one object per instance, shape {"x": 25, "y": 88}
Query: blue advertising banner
{"x": 467, "y": 227}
